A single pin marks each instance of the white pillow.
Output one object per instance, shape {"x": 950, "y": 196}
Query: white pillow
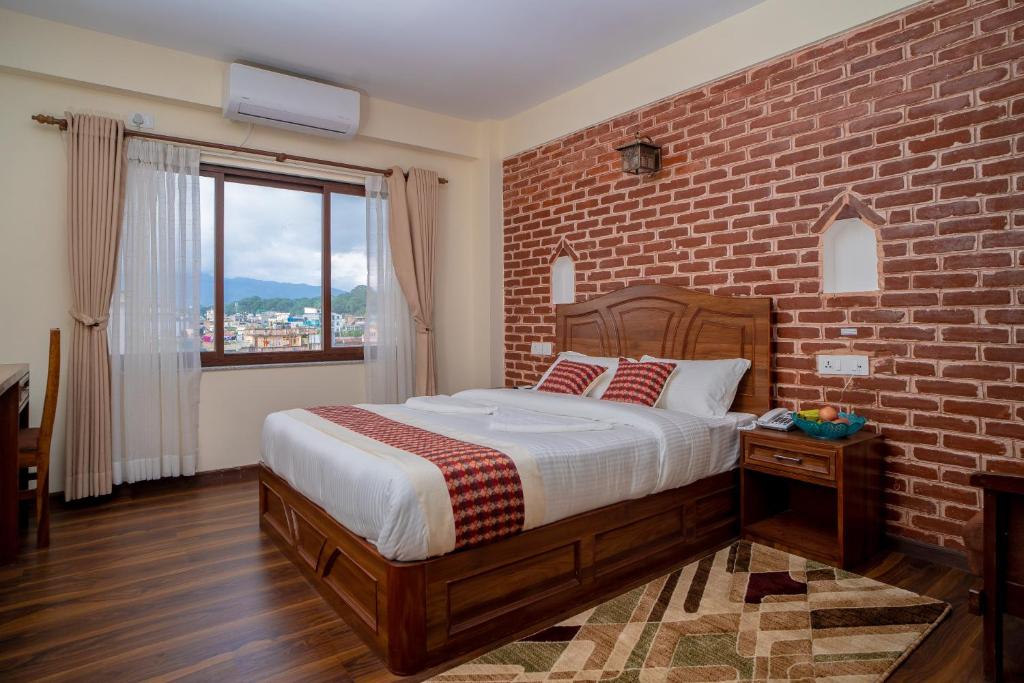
{"x": 702, "y": 387}
{"x": 600, "y": 384}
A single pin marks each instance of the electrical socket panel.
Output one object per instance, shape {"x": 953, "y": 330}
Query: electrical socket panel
{"x": 843, "y": 365}
{"x": 541, "y": 348}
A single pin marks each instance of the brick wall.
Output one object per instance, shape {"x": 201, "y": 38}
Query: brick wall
{"x": 921, "y": 115}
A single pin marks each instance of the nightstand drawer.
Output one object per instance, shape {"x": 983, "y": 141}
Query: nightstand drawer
{"x": 806, "y": 463}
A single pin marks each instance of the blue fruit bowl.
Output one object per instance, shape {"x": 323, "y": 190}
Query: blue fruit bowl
{"x": 830, "y": 430}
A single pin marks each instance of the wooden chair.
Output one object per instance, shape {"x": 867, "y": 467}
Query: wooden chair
{"x": 34, "y": 447}
{"x": 995, "y": 544}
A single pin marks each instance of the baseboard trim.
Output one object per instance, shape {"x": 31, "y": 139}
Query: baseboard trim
{"x": 229, "y": 475}
{"x": 926, "y": 551}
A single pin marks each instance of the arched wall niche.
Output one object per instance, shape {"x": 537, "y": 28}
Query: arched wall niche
{"x": 563, "y": 274}
{"x": 849, "y": 250}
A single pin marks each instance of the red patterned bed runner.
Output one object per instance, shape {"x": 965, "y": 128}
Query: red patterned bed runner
{"x": 484, "y": 484}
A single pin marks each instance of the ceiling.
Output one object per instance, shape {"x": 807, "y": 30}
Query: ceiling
{"x": 475, "y": 59}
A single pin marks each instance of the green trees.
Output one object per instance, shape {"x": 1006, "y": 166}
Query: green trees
{"x": 352, "y": 303}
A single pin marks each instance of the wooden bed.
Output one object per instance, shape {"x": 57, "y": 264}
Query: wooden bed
{"x": 417, "y": 615}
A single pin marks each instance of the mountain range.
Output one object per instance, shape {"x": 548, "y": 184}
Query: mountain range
{"x": 237, "y": 288}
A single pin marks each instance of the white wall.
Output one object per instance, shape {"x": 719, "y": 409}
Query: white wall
{"x": 34, "y": 288}
{"x": 55, "y": 50}
{"x": 766, "y": 30}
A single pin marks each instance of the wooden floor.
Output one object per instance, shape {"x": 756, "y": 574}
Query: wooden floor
{"x": 179, "y": 584}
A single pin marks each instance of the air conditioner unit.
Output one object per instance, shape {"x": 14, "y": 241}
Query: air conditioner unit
{"x": 272, "y": 99}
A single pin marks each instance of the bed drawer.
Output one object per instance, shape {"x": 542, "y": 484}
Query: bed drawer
{"x": 803, "y": 464}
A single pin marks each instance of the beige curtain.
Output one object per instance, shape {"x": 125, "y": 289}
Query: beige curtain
{"x": 95, "y": 200}
{"x": 412, "y": 236}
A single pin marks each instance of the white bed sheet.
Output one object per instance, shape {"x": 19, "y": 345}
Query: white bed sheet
{"x": 646, "y": 450}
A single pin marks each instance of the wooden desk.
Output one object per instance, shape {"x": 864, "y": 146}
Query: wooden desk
{"x": 13, "y": 414}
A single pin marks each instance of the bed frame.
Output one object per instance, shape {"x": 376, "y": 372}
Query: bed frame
{"x": 416, "y": 615}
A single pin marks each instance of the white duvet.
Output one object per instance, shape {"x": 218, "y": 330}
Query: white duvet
{"x": 378, "y": 493}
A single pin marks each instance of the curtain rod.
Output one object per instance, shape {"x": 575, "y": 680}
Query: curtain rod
{"x": 62, "y": 124}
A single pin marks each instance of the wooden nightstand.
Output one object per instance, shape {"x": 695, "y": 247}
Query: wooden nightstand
{"x": 811, "y": 497}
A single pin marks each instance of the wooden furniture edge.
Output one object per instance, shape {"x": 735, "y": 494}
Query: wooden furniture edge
{"x": 1003, "y": 483}
{"x": 854, "y": 478}
{"x": 416, "y": 615}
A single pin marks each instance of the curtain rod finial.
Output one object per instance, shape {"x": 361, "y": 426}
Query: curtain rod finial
{"x": 51, "y": 121}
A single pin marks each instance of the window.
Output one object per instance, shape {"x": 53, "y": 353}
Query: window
{"x": 283, "y": 268}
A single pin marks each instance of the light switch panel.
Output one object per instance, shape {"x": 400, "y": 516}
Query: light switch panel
{"x": 541, "y": 348}
{"x": 843, "y": 365}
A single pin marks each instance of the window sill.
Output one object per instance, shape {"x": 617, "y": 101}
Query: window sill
{"x": 271, "y": 366}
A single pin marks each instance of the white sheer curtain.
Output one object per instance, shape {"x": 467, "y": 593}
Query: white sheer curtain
{"x": 388, "y": 352}
{"x": 154, "y": 318}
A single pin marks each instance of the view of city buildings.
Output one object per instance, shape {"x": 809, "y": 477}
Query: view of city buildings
{"x": 272, "y": 281}
{"x": 270, "y": 330}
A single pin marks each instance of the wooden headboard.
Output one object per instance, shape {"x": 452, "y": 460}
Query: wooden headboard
{"x": 672, "y": 322}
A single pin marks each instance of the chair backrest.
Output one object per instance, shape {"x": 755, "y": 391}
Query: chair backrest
{"x": 52, "y": 386}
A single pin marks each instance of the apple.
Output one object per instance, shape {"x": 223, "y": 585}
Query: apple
{"x": 827, "y": 413}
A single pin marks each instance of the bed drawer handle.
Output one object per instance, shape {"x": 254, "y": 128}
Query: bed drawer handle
{"x": 788, "y": 458}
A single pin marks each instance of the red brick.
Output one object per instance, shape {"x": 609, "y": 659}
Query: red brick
{"x": 941, "y": 73}
{"x": 941, "y": 141}
{"x": 944, "y": 244}
{"x": 1005, "y": 392}
{"x": 974, "y": 47}
{"x": 946, "y": 388}
{"x": 973, "y": 371}
{"x": 927, "y": 127}
{"x": 974, "y": 189}
{"x": 985, "y": 150}
{"x": 941, "y": 177}
{"x": 973, "y": 444}
{"x": 980, "y": 224}
{"x": 976, "y": 409}
{"x": 906, "y": 131}
{"x": 919, "y": 368}
{"x": 972, "y": 117}
{"x": 1003, "y": 19}
{"x": 944, "y": 280}
{"x": 964, "y": 496}
{"x": 1008, "y": 316}
{"x": 972, "y": 81}
{"x": 946, "y": 210}
{"x": 1009, "y": 430}
{"x": 942, "y": 106}
{"x": 1007, "y": 354}
{"x": 1011, "y": 88}
{"x": 946, "y": 423}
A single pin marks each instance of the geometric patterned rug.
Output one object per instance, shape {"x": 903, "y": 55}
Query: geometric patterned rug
{"x": 748, "y": 613}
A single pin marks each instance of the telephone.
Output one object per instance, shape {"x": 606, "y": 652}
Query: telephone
{"x": 778, "y": 418}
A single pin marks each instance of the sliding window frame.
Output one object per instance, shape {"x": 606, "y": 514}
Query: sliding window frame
{"x": 328, "y": 352}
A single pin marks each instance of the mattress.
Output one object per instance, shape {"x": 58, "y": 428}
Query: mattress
{"x": 631, "y": 452}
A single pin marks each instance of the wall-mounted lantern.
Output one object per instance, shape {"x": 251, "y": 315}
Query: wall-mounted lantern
{"x": 641, "y": 156}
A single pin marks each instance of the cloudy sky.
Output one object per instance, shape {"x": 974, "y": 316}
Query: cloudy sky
{"x": 273, "y": 233}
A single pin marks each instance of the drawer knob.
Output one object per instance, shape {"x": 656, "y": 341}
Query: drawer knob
{"x": 788, "y": 458}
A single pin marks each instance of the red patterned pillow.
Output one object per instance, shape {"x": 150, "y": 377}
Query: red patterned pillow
{"x": 570, "y": 377}
{"x": 640, "y": 383}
